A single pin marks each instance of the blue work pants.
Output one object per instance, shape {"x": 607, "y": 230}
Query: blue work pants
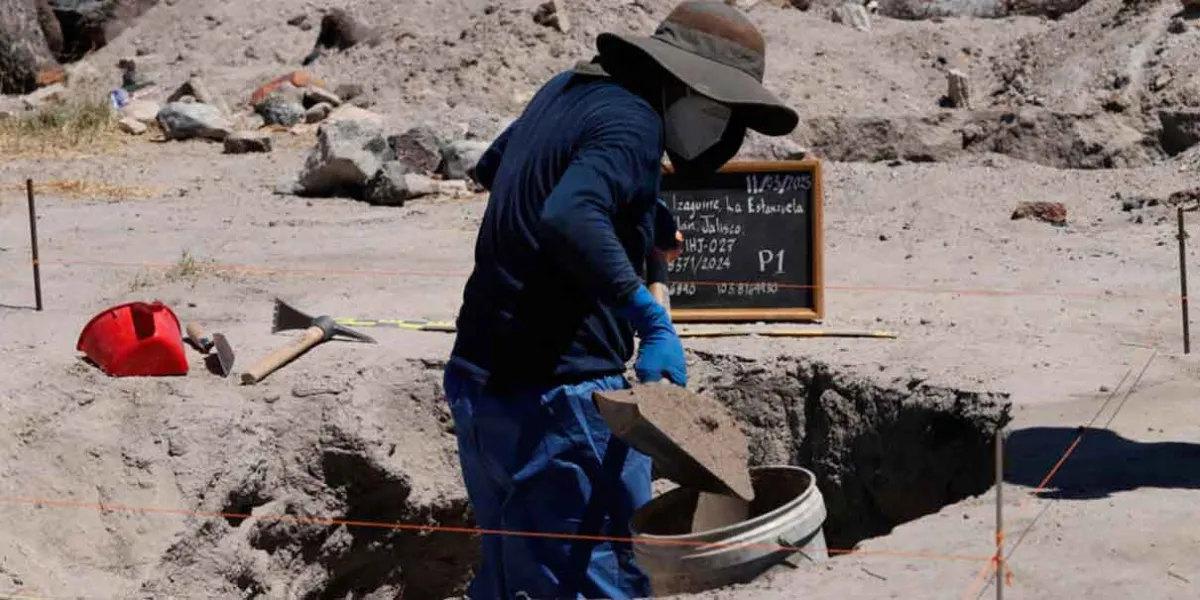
{"x": 531, "y": 462}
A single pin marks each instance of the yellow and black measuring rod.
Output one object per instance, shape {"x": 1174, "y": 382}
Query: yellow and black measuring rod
{"x": 687, "y": 332}
{"x": 791, "y": 332}
{"x": 413, "y": 324}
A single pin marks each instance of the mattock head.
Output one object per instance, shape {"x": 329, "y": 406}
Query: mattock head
{"x": 287, "y": 317}
{"x": 331, "y": 328}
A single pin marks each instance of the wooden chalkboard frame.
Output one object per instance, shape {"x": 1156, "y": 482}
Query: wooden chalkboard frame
{"x": 814, "y": 313}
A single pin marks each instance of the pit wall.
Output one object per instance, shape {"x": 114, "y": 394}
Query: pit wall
{"x": 884, "y": 453}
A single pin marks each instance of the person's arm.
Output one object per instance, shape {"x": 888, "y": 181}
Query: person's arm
{"x": 619, "y": 158}
{"x": 484, "y": 171}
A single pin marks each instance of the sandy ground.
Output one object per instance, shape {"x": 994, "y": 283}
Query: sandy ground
{"x": 101, "y": 479}
{"x": 948, "y": 238}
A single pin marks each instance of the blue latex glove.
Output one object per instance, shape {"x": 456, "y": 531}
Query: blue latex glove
{"x": 661, "y": 353}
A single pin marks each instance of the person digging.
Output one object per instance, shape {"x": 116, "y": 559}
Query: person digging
{"x": 556, "y": 294}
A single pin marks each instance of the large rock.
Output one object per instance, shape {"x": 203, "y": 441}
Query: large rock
{"x": 350, "y": 112}
{"x": 49, "y": 95}
{"x": 418, "y": 148}
{"x": 315, "y": 94}
{"x": 187, "y": 120}
{"x": 131, "y": 126}
{"x": 317, "y": 113}
{"x": 48, "y": 21}
{"x": 26, "y": 61}
{"x": 282, "y": 107}
{"x": 195, "y": 88}
{"x": 349, "y": 152}
{"x": 459, "y": 158}
{"x": 145, "y": 111}
{"x": 88, "y": 25}
{"x": 553, "y": 14}
{"x": 1053, "y": 213}
{"x": 393, "y": 185}
{"x": 1180, "y": 130}
{"x": 244, "y": 142}
{"x": 984, "y": 9}
{"x": 340, "y": 31}
{"x": 853, "y": 14}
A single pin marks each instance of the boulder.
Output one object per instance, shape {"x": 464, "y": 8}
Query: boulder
{"x": 50, "y": 26}
{"x": 299, "y": 79}
{"x": 418, "y": 148}
{"x": 353, "y": 113}
{"x": 1048, "y": 212}
{"x": 196, "y": 88}
{"x": 187, "y": 120}
{"x": 388, "y": 187}
{"x": 348, "y": 91}
{"x": 49, "y": 95}
{"x": 349, "y": 152}
{"x": 88, "y": 25}
{"x": 132, "y": 126}
{"x": 958, "y": 93}
{"x": 317, "y": 113}
{"x": 145, "y": 111}
{"x": 853, "y": 14}
{"x": 340, "y": 31}
{"x": 459, "y": 158}
{"x": 1180, "y": 130}
{"x": 26, "y": 62}
{"x": 244, "y": 142}
{"x": 314, "y": 95}
{"x": 553, "y": 14}
{"x": 281, "y": 108}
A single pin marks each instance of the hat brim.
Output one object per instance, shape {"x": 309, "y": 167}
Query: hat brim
{"x": 761, "y": 110}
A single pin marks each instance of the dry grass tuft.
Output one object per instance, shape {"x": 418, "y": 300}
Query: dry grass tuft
{"x": 77, "y": 188}
{"x": 188, "y": 269}
{"x": 83, "y": 125}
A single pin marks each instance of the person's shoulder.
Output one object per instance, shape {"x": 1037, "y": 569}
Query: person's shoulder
{"x": 612, "y": 105}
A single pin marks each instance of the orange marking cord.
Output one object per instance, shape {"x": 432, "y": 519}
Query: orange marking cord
{"x": 463, "y": 530}
{"x": 1152, "y": 338}
{"x": 264, "y": 270}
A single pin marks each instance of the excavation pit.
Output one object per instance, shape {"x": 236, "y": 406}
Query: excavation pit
{"x": 883, "y": 452}
{"x": 377, "y": 446}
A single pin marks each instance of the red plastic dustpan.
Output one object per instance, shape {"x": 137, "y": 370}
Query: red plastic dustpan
{"x": 135, "y": 339}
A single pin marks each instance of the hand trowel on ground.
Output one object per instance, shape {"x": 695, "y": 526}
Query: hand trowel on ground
{"x": 693, "y": 440}
{"x": 220, "y": 363}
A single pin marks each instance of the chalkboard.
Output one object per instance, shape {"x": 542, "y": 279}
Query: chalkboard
{"x": 751, "y": 243}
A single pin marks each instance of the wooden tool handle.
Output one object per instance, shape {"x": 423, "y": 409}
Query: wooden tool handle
{"x": 199, "y": 337}
{"x": 282, "y": 356}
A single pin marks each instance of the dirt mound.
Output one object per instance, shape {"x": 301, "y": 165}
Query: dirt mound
{"x": 1106, "y": 82}
{"x": 264, "y": 473}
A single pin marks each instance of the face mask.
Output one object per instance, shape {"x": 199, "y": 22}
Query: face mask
{"x": 694, "y": 124}
{"x": 715, "y": 157}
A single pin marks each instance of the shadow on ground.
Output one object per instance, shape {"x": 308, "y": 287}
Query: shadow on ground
{"x": 1102, "y": 463}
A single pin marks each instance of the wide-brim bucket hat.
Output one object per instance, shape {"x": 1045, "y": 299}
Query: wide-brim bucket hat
{"x": 716, "y": 51}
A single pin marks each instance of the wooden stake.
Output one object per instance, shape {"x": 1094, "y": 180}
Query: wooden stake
{"x": 37, "y": 267}
{"x": 1183, "y": 290}
{"x": 1000, "y": 514}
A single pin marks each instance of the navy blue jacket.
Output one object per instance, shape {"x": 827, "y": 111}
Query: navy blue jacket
{"x": 564, "y": 239}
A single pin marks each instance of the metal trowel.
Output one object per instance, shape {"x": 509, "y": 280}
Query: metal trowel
{"x": 220, "y": 363}
{"x": 223, "y": 363}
